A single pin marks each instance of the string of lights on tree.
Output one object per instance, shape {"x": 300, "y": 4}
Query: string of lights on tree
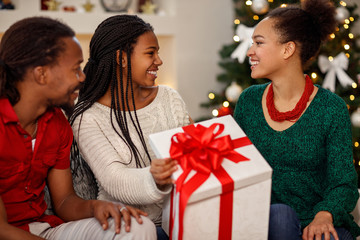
{"x": 336, "y": 68}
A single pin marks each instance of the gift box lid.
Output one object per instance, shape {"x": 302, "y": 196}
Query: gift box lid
{"x": 244, "y": 173}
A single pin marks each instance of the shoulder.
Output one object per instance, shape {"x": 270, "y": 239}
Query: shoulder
{"x": 252, "y": 94}
{"x": 330, "y": 109}
{"x": 249, "y": 102}
{"x": 168, "y": 91}
{"x": 173, "y": 105}
{"x": 57, "y": 124}
{"x": 170, "y": 96}
{"x": 57, "y": 116}
{"x": 96, "y": 115}
{"x": 331, "y": 101}
{"x": 254, "y": 90}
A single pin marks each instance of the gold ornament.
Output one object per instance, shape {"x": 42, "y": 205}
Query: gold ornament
{"x": 52, "y": 5}
{"x": 88, "y": 6}
{"x": 148, "y": 7}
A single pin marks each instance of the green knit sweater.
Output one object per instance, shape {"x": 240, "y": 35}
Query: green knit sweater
{"x": 312, "y": 160}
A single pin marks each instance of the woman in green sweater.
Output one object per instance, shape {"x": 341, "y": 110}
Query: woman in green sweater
{"x": 302, "y": 130}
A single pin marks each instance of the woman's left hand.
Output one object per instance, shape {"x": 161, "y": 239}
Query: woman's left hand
{"x": 321, "y": 225}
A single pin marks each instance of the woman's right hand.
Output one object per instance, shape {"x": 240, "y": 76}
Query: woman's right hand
{"x": 162, "y": 169}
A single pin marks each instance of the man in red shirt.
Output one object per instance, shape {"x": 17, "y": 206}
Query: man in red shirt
{"x": 39, "y": 74}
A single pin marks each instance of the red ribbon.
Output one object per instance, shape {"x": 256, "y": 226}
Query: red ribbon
{"x": 198, "y": 148}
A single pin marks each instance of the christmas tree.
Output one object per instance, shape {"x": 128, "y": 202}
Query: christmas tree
{"x": 336, "y": 68}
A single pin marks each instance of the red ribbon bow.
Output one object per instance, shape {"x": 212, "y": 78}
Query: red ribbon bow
{"x": 198, "y": 148}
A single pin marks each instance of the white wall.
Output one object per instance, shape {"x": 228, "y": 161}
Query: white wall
{"x": 205, "y": 26}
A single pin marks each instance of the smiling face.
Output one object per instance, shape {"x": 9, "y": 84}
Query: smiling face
{"x": 266, "y": 53}
{"x": 145, "y": 60}
{"x": 66, "y": 76}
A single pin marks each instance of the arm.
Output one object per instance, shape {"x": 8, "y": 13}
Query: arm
{"x": 9, "y": 232}
{"x": 162, "y": 169}
{"x": 105, "y": 153}
{"x": 341, "y": 194}
{"x": 69, "y": 206}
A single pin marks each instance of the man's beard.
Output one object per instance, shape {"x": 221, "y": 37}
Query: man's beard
{"x": 68, "y": 109}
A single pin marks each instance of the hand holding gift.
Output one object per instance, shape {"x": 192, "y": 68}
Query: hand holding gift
{"x": 162, "y": 169}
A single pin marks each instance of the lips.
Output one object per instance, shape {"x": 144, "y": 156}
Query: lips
{"x": 76, "y": 93}
{"x": 253, "y": 63}
{"x": 154, "y": 73}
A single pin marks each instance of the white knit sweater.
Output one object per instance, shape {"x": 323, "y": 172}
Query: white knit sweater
{"x": 109, "y": 157}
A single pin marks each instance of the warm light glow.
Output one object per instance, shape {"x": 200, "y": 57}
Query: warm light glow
{"x": 347, "y": 21}
{"x": 354, "y": 85}
{"x": 226, "y": 104}
{"x": 332, "y": 36}
{"x": 352, "y": 97}
{"x": 256, "y": 17}
{"x": 346, "y": 26}
{"x": 283, "y": 5}
{"x": 330, "y": 58}
{"x": 215, "y": 113}
{"x": 356, "y": 144}
{"x": 342, "y": 3}
{"x": 270, "y": 1}
{"x": 337, "y": 29}
{"x": 351, "y": 19}
{"x": 351, "y": 36}
{"x": 346, "y": 46}
{"x": 313, "y": 75}
{"x": 236, "y": 38}
{"x": 211, "y": 95}
{"x": 237, "y": 21}
{"x": 347, "y": 55}
{"x": 248, "y": 3}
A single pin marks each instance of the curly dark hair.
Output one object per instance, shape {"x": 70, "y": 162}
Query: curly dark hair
{"x": 307, "y": 26}
{"x": 34, "y": 41}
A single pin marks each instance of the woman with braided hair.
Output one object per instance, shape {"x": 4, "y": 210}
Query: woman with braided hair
{"x": 302, "y": 130}
{"x": 118, "y": 107}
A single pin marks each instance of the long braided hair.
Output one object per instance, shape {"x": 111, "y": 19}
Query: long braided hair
{"x": 115, "y": 34}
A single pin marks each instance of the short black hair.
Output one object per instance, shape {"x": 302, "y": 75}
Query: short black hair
{"x": 30, "y": 42}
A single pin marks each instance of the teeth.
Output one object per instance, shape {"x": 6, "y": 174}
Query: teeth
{"x": 152, "y": 72}
{"x": 77, "y": 91}
{"x": 254, "y": 63}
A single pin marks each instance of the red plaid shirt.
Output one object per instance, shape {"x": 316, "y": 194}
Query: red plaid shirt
{"x": 23, "y": 172}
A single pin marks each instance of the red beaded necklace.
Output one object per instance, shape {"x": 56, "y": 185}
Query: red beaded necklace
{"x": 294, "y": 114}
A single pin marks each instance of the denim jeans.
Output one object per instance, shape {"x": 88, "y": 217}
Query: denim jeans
{"x": 285, "y": 225}
{"x": 161, "y": 234}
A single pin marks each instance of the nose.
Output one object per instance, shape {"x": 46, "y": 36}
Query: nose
{"x": 82, "y": 76}
{"x": 250, "y": 51}
{"x": 158, "y": 61}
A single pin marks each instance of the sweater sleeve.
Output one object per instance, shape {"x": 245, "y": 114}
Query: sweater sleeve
{"x": 134, "y": 186}
{"x": 341, "y": 194}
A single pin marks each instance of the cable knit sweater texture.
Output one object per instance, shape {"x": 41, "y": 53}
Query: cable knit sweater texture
{"x": 312, "y": 160}
{"x": 109, "y": 157}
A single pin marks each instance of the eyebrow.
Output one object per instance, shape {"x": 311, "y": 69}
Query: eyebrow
{"x": 258, "y": 36}
{"x": 152, "y": 47}
{"x": 79, "y": 62}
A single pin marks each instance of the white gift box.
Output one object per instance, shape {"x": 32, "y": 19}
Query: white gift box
{"x": 251, "y": 195}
